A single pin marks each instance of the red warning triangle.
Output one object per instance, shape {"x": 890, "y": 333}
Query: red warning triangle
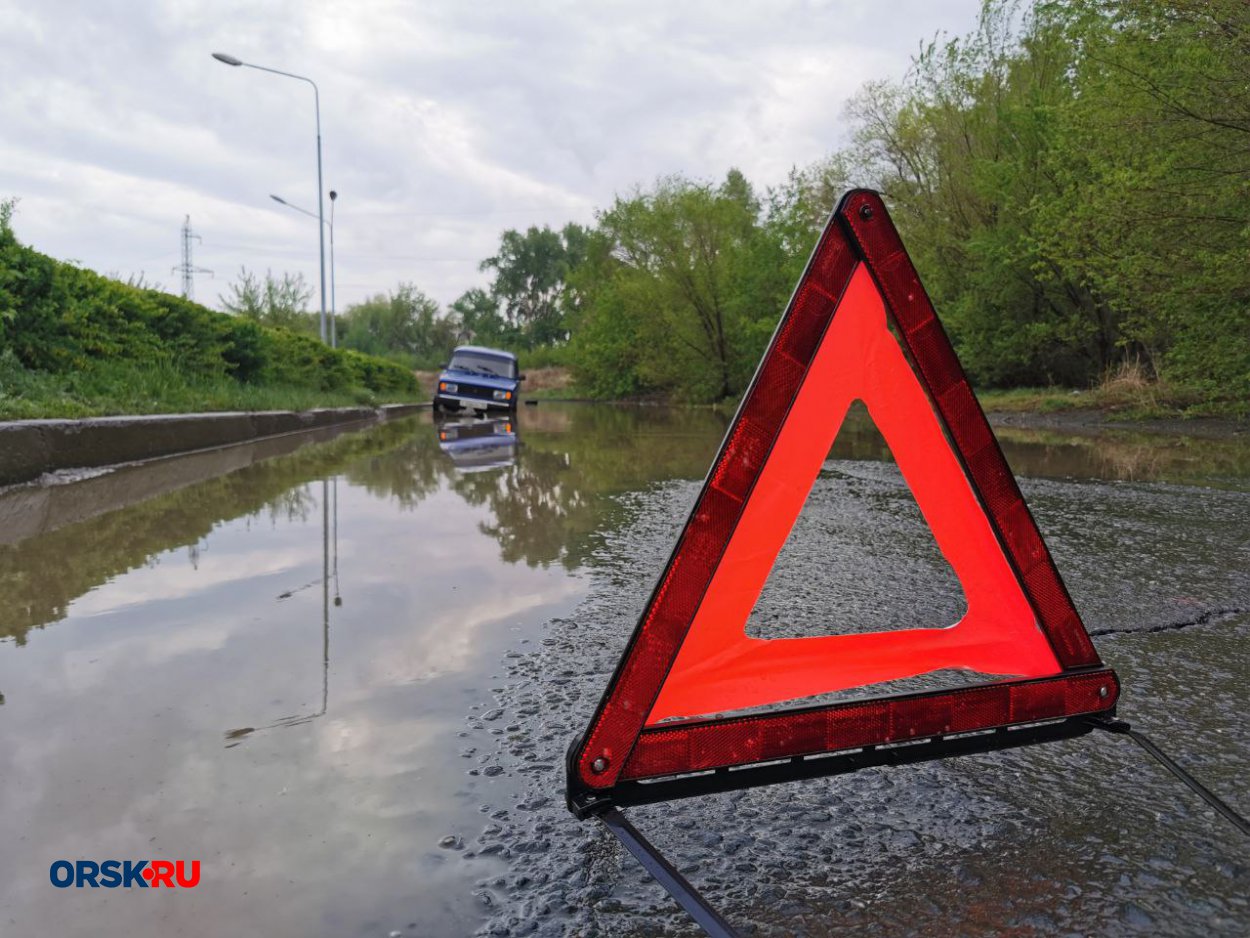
{"x": 859, "y": 327}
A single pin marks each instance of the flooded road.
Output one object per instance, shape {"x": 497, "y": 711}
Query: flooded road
{"x": 342, "y": 674}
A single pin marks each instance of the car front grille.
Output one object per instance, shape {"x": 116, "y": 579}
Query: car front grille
{"x": 481, "y": 394}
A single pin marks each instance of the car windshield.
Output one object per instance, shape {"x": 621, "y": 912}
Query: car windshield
{"x": 484, "y": 364}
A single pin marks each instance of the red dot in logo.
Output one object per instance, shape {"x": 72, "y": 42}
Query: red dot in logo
{"x": 148, "y": 873}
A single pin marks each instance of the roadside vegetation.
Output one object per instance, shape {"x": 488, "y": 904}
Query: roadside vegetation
{"x": 1126, "y": 391}
{"x": 74, "y": 343}
{"x": 1071, "y": 178}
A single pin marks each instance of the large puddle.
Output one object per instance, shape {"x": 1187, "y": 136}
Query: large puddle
{"x": 341, "y": 673}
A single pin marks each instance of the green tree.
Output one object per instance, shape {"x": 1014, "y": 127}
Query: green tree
{"x": 530, "y": 273}
{"x": 1071, "y": 180}
{"x": 10, "y": 252}
{"x": 962, "y": 149}
{"x": 272, "y": 302}
{"x": 477, "y": 317}
{"x": 680, "y": 291}
{"x": 404, "y": 324}
{"x": 1154, "y": 173}
{"x": 798, "y": 209}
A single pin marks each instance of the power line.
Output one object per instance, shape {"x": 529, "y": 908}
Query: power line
{"x": 470, "y": 213}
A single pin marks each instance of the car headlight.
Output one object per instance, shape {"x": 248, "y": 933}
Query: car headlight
{"x": 503, "y": 395}
{"x": 447, "y": 434}
{"x": 448, "y": 387}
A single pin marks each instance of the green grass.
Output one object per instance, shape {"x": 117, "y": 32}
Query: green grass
{"x": 1128, "y": 391}
{"x": 1032, "y": 400}
{"x": 553, "y": 394}
{"x": 1123, "y": 400}
{"x": 122, "y": 387}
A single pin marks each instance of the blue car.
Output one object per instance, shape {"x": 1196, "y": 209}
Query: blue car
{"x": 478, "y": 379}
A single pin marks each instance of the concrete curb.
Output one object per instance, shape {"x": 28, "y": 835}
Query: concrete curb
{"x": 29, "y": 448}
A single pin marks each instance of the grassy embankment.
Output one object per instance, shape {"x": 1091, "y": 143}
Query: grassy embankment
{"x": 76, "y": 344}
{"x": 1125, "y": 395}
{"x": 127, "y": 388}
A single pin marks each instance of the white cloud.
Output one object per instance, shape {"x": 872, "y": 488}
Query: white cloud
{"x": 443, "y": 123}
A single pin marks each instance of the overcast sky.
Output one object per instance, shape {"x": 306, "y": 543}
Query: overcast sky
{"x": 443, "y": 122}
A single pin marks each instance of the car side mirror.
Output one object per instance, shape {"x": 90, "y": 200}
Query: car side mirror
{"x": 520, "y": 377}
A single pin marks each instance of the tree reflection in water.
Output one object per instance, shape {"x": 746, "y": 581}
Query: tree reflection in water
{"x": 546, "y": 507}
{"x": 543, "y": 509}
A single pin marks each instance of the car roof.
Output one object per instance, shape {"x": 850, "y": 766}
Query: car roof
{"x": 482, "y": 350}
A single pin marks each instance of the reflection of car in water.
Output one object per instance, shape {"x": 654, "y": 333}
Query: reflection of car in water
{"x": 476, "y": 445}
{"x": 478, "y": 378}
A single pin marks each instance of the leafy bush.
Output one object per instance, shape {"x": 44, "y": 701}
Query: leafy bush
{"x": 62, "y": 321}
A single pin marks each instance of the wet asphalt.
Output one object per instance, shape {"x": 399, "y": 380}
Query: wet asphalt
{"x": 1082, "y": 837}
{"x": 343, "y": 672}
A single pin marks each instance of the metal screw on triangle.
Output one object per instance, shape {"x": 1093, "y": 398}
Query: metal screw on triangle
{"x": 865, "y": 212}
{"x": 599, "y": 766}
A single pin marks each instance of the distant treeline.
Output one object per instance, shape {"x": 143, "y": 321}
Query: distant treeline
{"x": 63, "y": 326}
{"x": 1071, "y": 178}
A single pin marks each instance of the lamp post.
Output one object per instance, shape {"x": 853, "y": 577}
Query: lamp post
{"x": 333, "y": 307}
{"x": 334, "y": 335}
{"x": 321, "y": 256}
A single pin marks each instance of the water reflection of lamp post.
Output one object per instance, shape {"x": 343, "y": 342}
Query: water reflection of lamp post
{"x": 338, "y": 600}
{"x": 234, "y": 736}
{"x": 325, "y": 601}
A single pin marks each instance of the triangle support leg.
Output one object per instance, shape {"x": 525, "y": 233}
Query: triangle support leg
{"x": 1122, "y": 728}
{"x": 666, "y": 875}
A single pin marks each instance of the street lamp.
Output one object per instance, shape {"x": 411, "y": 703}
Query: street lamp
{"x": 231, "y": 60}
{"x": 334, "y": 337}
{"x": 303, "y": 211}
